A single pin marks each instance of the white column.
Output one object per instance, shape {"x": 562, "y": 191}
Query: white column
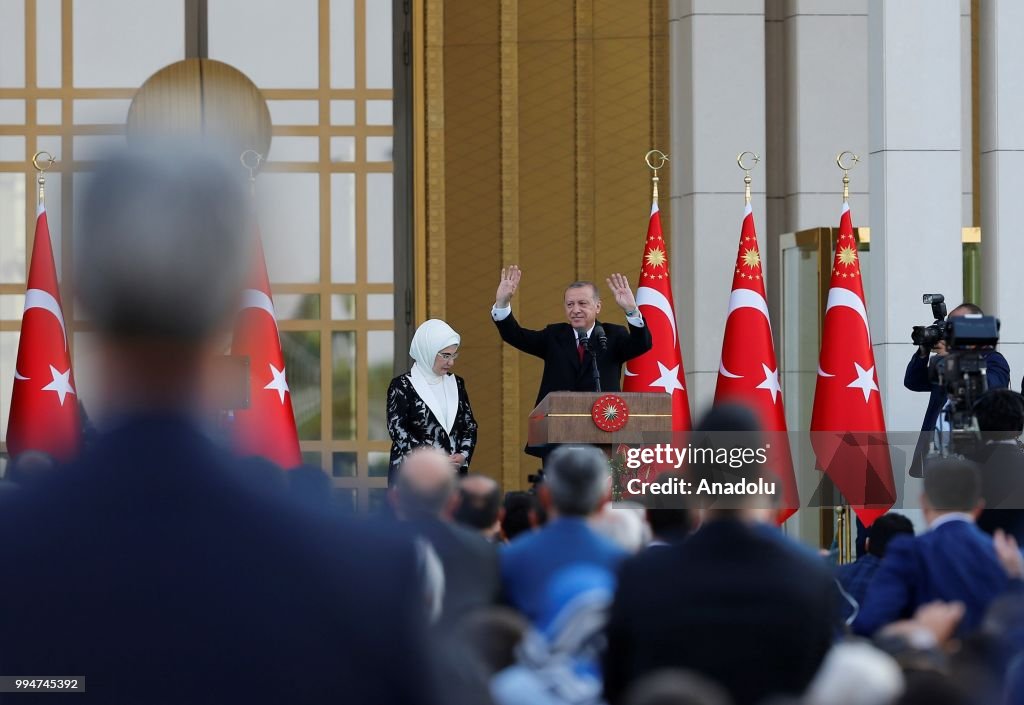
{"x": 966, "y": 118}
{"x": 1002, "y": 173}
{"x": 826, "y": 109}
{"x": 718, "y": 111}
{"x": 915, "y": 133}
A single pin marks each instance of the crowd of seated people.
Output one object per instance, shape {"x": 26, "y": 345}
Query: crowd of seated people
{"x": 557, "y": 597}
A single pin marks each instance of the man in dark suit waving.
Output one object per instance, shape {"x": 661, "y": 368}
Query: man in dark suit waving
{"x": 566, "y": 348}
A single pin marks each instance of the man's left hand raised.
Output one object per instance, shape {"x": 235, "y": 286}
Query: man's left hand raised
{"x": 623, "y": 294}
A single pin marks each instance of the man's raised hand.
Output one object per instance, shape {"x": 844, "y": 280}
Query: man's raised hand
{"x": 510, "y": 277}
{"x": 623, "y": 294}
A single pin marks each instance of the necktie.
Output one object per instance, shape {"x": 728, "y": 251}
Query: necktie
{"x": 579, "y": 348}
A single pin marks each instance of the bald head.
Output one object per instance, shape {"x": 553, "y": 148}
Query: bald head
{"x": 479, "y": 503}
{"x": 426, "y": 483}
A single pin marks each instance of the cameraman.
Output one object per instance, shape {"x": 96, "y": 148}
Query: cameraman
{"x": 919, "y": 379}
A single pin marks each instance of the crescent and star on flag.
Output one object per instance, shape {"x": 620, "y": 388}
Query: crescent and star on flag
{"x": 656, "y": 267}
{"x": 61, "y": 381}
{"x": 846, "y": 267}
{"x": 261, "y": 301}
{"x": 748, "y": 266}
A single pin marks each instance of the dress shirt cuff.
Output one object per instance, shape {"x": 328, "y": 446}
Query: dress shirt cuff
{"x": 637, "y": 321}
{"x": 500, "y": 314}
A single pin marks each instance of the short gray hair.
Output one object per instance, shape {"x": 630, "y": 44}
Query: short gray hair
{"x": 164, "y": 244}
{"x": 577, "y": 479}
{"x": 580, "y": 284}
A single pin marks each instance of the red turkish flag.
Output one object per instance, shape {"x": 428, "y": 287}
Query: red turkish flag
{"x": 44, "y": 403}
{"x": 660, "y": 369}
{"x": 847, "y": 423}
{"x": 748, "y": 373}
{"x": 267, "y": 427}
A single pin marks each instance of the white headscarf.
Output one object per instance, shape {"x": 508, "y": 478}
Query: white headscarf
{"x": 439, "y": 392}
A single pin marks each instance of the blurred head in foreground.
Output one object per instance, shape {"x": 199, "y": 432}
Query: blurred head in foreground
{"x": 480, "y": 505}
{"x": 576, "y": 481}
{"x": 162, "y": 252}
{"x": 732, "y": 428}
{"x": 426, "y": 486}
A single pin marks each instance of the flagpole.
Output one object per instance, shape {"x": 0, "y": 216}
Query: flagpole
{"x": 846, "y": 171}
{"x": 660, "y": 157}
{"x": 257, "y": 159}
{"x": 844, "y": 518}
{"x": 746, "y": 172}
{"x": 41, "y": 174}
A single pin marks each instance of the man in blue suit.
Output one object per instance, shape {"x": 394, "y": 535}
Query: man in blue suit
{"x": 157, "y": 566}
{"x": 575, "y": 487}
{"x": 918, "y": 379}
{"x": 954, "y": 561}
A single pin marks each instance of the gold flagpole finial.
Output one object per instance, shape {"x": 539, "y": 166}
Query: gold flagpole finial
{"x": 41, "y": 170}
{"x": 655, "y": 160}
{"x": 846, "y": 171}
{"x": 256, "y": 159}
{"x": 746, "y": 171}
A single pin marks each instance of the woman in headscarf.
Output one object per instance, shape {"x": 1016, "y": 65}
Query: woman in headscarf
{"x": 428, "y": 405}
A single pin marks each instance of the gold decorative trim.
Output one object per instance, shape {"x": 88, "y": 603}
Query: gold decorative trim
{"x": 419, "y": 161}
{"x": 508, "y": 37}
{"x": 632, "y": 416}
{"x": 583, "y": 79}
{"x": 435, "y": 156}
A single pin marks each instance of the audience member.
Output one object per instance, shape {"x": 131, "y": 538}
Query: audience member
{"x": 521, "y": 514}
{"x": 558, "y": 661}
{"x": 1000, "y": 415}
{"x": 480, "y": 506}
{"x": 494, "y": 634}
{"x": 149, "y": 566}
{"x": 856, "y": 673}
{"x": 30, "y": 466}
{"x": 736, "y": 602}
{"x": 932, "y": 688}
{"x": 624, "y": 524}
{"x": 855, "y": 577}
{"x": 952, "y": 561}
{"x": 576, "y": 485}
{"x": 310, "y": 485}
{"x": 672, "y": 686}
{"x": 424, "y": 496}
{"x": 670, "y": 519}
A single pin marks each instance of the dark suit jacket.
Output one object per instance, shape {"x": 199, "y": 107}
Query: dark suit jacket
{"x": 530, "y": 562}
{"x": 154, "y": 569}
{"x": 563, "y": 371}
{"x": 917, "y": 379}
{"x": 412, "y": 424}
{"x": 954, "y": 561}
{"x": 1002, "y": 488}
{"x": 472, "y": 577}
{"x": 739, "y": 604}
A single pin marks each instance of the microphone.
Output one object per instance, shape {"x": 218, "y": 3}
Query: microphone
{"x": 602, "y": 339}
{"x": 583, "y": 339}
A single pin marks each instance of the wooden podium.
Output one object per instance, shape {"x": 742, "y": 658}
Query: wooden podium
{"x": 564, "y": 417}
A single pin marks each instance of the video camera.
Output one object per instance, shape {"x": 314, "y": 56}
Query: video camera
{"x": 927, "y": 337}
{"x": 960, "y": 371}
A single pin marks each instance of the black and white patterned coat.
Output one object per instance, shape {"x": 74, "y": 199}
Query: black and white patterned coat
{"x": 412, "y": 425}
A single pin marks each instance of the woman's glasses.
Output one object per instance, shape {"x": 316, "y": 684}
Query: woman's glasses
{"x": 448, "y": 357}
